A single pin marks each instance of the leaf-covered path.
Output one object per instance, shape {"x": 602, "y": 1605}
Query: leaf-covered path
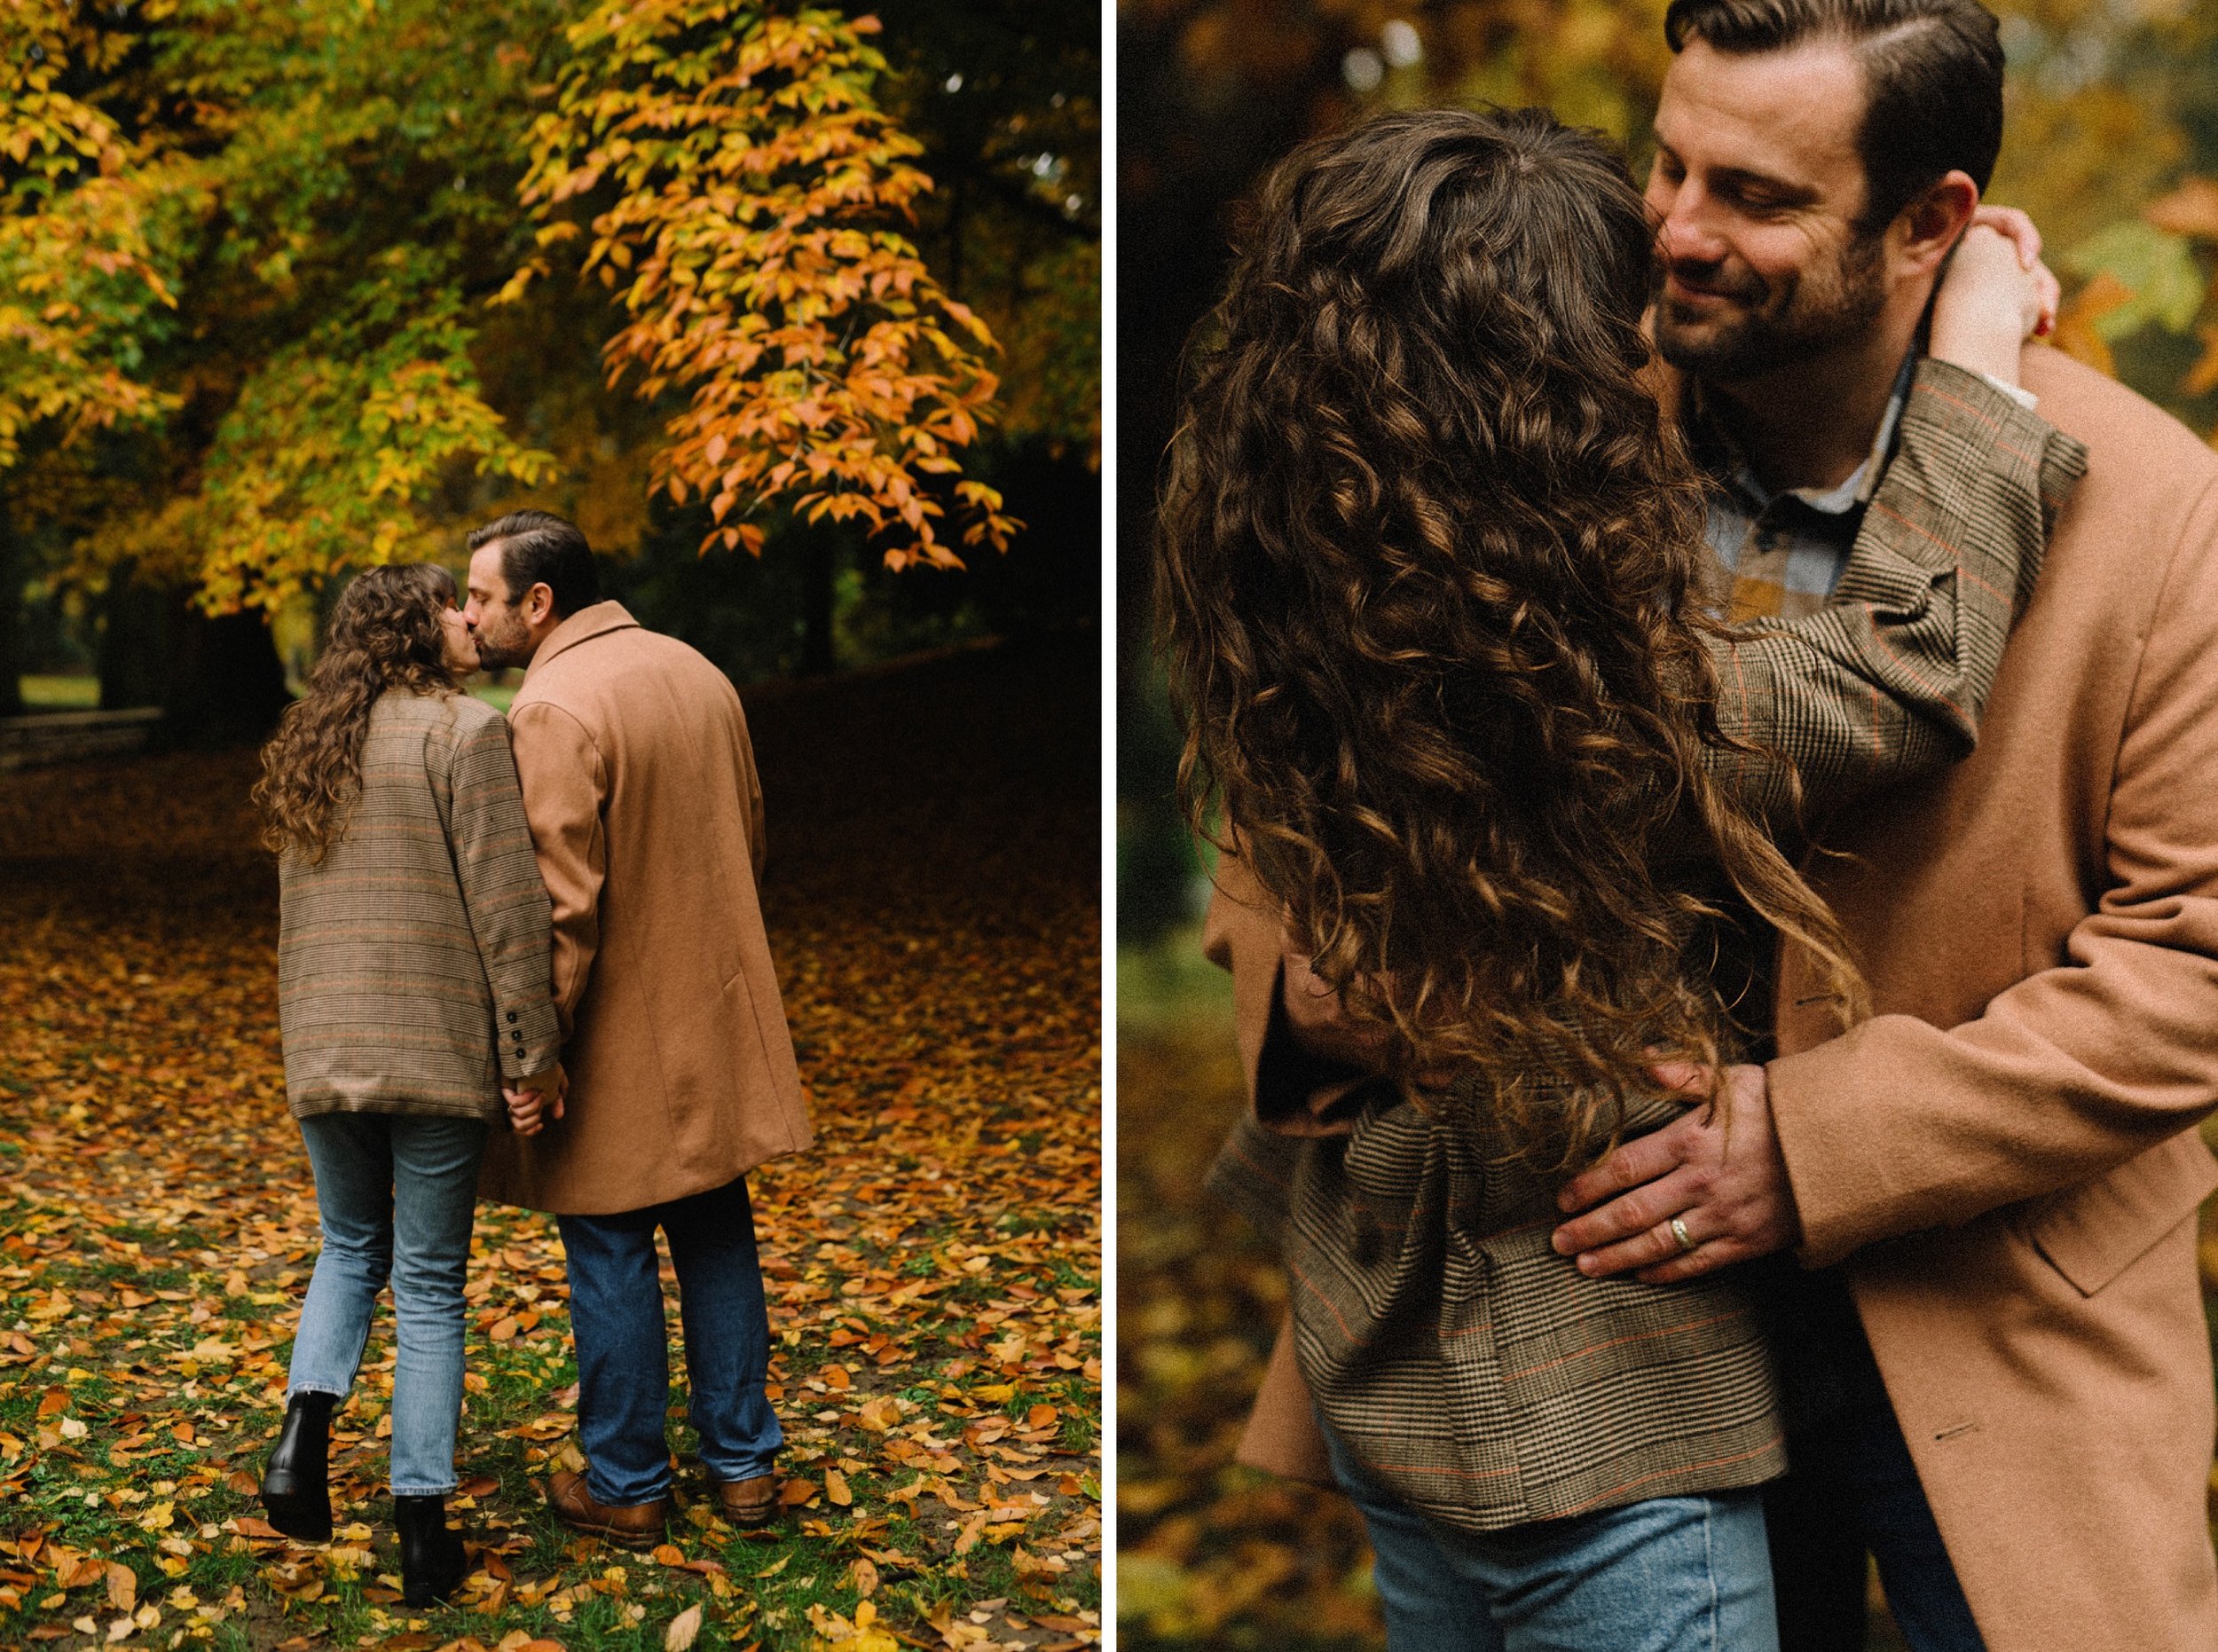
{"x": 933, "y": 1265}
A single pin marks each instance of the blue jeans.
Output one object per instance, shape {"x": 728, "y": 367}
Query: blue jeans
{"x": 616, "y": 1314}
{"x": 1670, "y": 1574}
{"x": 396, "y": 1196}
{"x": 1853, "y": 1488}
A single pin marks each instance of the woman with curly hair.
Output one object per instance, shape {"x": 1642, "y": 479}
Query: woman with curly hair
{"x": 1496, "y": 800}
{"x": 413, "y": 989}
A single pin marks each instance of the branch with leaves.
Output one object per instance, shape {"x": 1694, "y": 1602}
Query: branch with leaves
{"x": 743, "y": 196}
{"x": 77, "y": 278}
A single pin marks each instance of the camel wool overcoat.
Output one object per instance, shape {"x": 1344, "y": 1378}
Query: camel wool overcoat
{"x": 2005, "y": 1158}
{"x": 640, "y": 786}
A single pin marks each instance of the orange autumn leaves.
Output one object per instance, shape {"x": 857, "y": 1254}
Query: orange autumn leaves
{"x": 754, "y": 240}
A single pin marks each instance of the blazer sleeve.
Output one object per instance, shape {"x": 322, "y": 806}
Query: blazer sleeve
{"x": 502, "y": 893}
{"x": 565, "y": 789}
{"x": 1887, "y": 680}
{"x": 1899, "y": 1125}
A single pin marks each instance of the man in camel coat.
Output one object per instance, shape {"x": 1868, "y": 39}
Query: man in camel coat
{"x": 1994, "y": 1183}
{"x": 639, "y": 783}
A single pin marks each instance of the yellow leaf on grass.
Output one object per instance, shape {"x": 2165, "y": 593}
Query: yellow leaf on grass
{"x": 682, "y": 1629}
{"x": 836, "y": 1488}
{"x": 122, "y": 1587}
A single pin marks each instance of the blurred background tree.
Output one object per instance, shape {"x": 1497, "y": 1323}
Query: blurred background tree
{"x": 677, "y": 269}
{"x": 2112, "y": 144}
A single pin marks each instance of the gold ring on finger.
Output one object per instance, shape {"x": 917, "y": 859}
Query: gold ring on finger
{"x": 1678, "y": 1232}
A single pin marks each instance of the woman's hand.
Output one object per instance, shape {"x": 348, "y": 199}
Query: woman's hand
{"x": 534, "y": 1102}
{"x": 1996, "y": 295}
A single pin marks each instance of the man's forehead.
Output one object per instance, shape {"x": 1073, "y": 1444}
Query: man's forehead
{"x": 485, "y": 568}
{"x": 1791, "y": 115}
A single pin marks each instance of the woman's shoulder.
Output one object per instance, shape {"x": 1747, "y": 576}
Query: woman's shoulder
{"x": 453, "y": 716}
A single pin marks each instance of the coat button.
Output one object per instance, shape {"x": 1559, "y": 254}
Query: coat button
{"x": 512, "y": 1015}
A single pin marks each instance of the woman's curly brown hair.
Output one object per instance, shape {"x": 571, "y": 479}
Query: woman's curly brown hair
{"x": 386, "y": 633}
{"x": 1426, "y": 588}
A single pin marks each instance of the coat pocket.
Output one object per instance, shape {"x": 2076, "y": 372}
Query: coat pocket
{"x": 2092, "y": 1232}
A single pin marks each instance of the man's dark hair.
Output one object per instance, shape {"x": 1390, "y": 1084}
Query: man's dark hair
{"x": 539, "y": 548}
{"x": 1932, "y": 80}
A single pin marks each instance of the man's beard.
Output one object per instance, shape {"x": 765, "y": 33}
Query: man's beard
{"x": 1768, "y": 328}
{"x": 498, "y": 651}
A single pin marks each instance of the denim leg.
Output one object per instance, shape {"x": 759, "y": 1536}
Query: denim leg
{"x": 1671, "y": 1573}
{"x": 352, "y": 1155}
{"x": 1889, "y": 1503}
{"x": 1429, "y": 1606}
{"x": 1819, "y": 1562}
{"x": 435, "y": 1202}
{"x": 1668, "y": 1574}
{"x": 727, "y": 1330}
{"x": 616, "y": 1318}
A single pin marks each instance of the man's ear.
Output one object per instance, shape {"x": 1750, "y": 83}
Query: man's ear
{"x": 539, "y": 604}
{"x": 1925, "y": 231}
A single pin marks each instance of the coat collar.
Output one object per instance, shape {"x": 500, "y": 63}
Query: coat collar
{"x": 587, "y": 623}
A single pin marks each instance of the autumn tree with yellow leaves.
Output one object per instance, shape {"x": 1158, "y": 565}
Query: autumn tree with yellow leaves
{"x": 288, "y": 287}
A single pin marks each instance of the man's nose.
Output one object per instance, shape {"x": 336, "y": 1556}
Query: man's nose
{"x": 1690, "y": 231}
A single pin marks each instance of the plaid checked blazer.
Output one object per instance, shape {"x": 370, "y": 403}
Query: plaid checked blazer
{"x": 412, "y": 972}
{"x": 1471, "y": 1370}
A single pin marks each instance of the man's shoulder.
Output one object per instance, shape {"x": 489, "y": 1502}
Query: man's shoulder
{"x": 603, "y": 672}
{"x": 2128, "y": 438}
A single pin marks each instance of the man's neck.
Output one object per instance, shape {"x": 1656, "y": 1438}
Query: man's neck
{"x": 1811, "y": 425}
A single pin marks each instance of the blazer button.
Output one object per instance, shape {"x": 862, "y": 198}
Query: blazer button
{"x": 512, "y": 1015}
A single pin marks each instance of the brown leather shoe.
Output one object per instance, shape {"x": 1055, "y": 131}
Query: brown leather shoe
{"x": 751, "y": 1502}
{"x": 638, "y": 1527}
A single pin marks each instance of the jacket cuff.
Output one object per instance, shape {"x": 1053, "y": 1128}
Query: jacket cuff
{"x": 528, "y": 1038}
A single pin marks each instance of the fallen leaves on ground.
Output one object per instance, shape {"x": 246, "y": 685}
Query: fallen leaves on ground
{"x": 933, "y": 1265}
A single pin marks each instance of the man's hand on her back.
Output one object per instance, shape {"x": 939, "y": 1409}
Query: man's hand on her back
{"x": 1717, "y": 1172}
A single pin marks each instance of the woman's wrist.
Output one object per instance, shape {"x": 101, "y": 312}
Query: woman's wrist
{"x": 1979, "y": 346}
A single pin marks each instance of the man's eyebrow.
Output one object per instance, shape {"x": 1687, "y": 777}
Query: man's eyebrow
{"x": 1744, "y": 177}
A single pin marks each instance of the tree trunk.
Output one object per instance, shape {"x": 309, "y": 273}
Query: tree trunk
{"x": 227, "y": 685}
{"x": 10, "y": 621}
{"x": 819, "y": 569}
{"x": 140, "y": 624}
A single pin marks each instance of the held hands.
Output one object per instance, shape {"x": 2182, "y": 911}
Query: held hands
{"x": 1717, "y": 1171}
{"x": 1996, "y": 295}
{"x": 537, "y": 1100}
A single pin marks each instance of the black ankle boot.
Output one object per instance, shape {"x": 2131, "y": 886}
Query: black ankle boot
{"x": 295, "y": 1484}
{"x": 432, "y": 1562}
